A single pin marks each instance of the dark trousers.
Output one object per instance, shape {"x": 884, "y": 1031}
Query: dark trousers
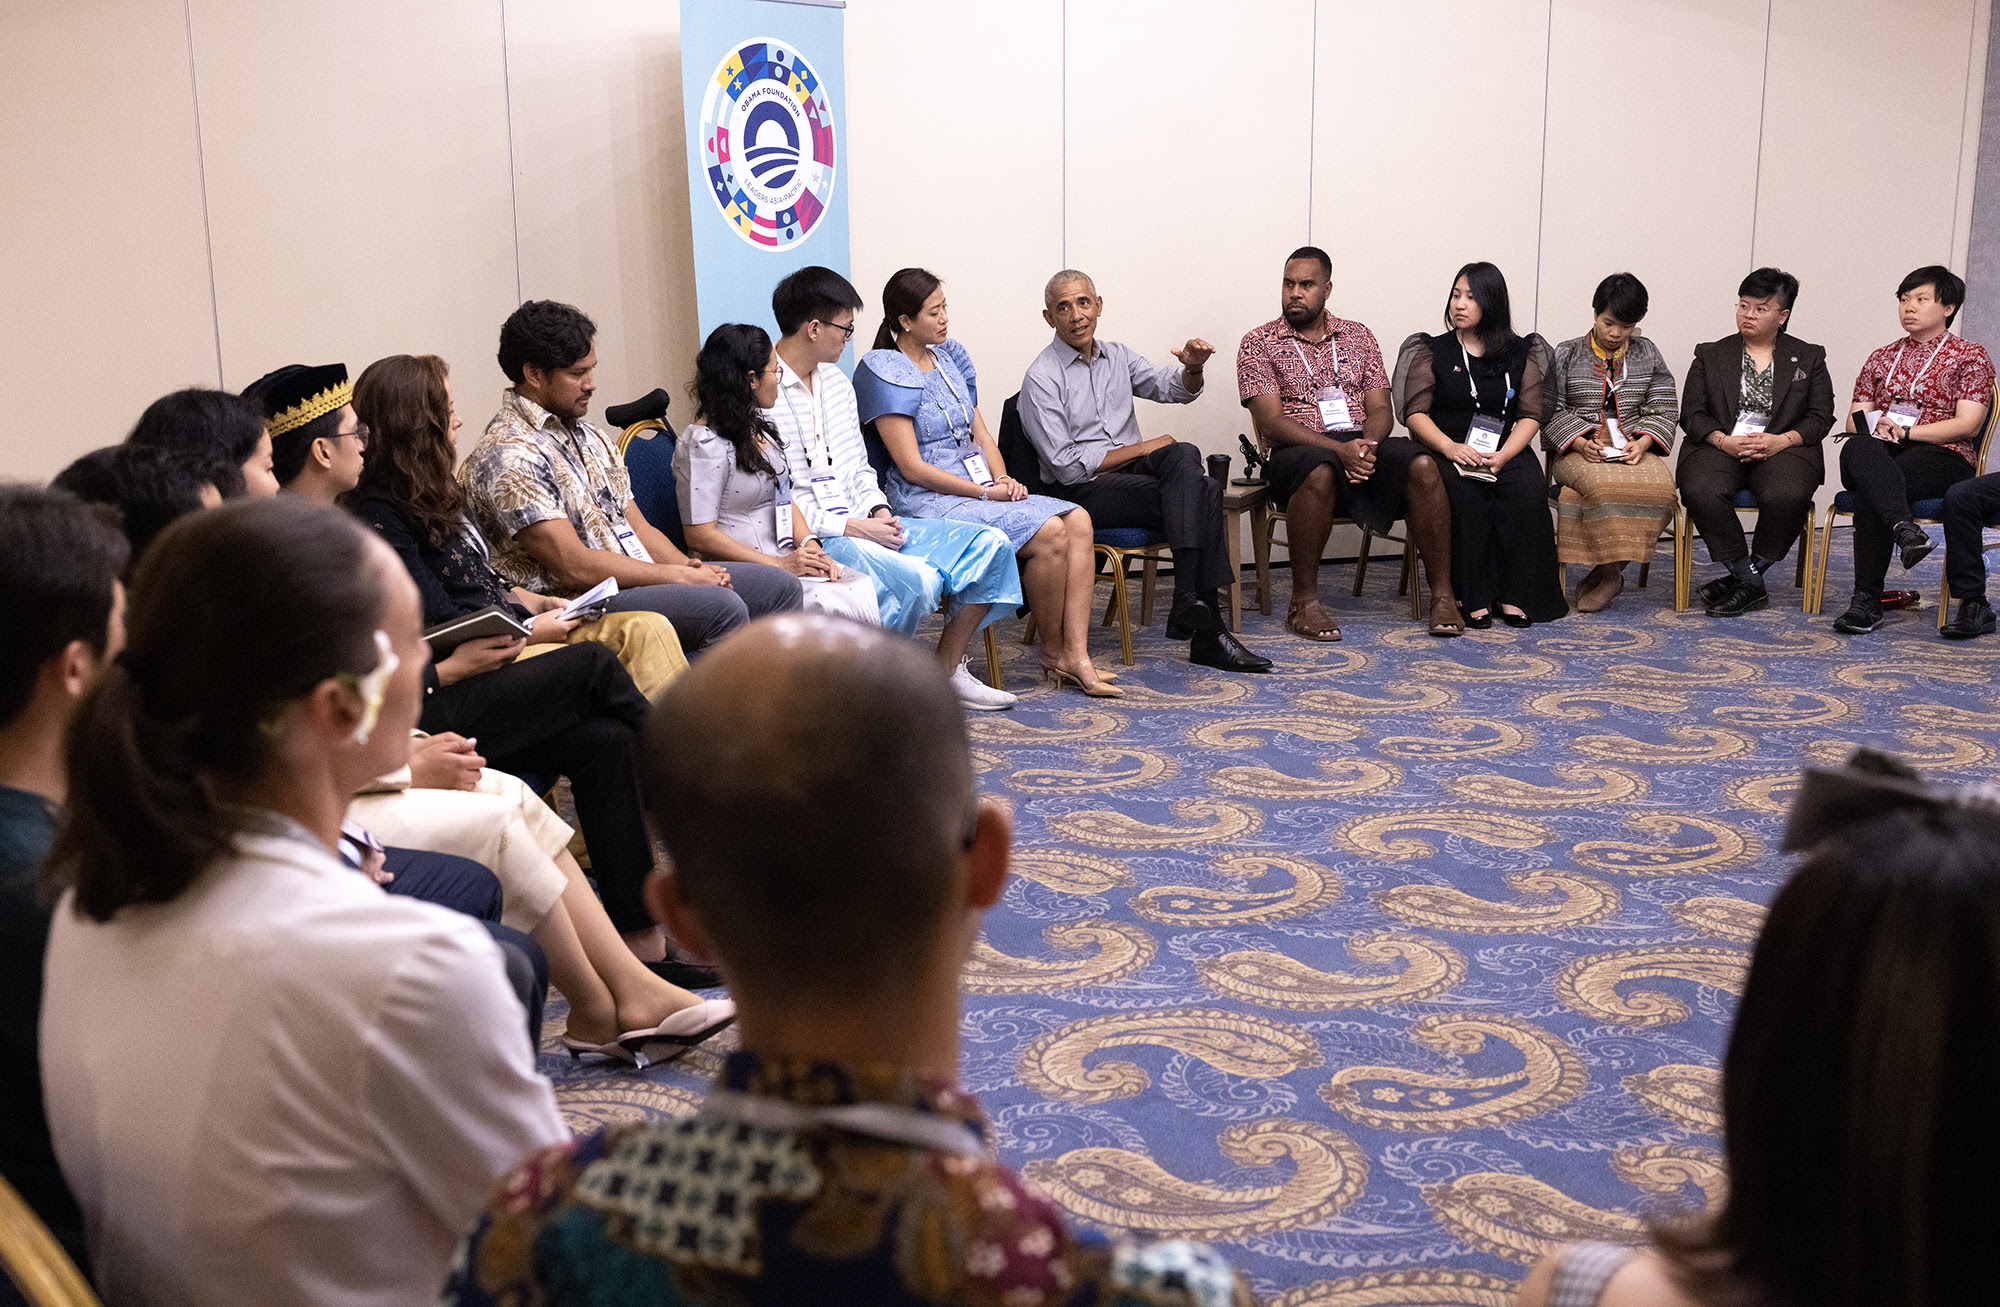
{"x": 703, "y": 614}
{"x": 1969, "y": 507}
{"x": 572, "y": 712}
{"x": 1784, "y": 484}
{"x": 464, "y": 886}
{"x": 1503, "y": 546}
{"x": 1886, "y": 479}
{"x": 1169, "y": 491}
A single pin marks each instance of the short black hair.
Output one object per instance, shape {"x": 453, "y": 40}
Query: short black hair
{"x": 60, "y": 560}
{"x": 1317, "y": 255}
{"x": 1766, "y": 282}
{"x": 1944, "y": 283}
{"x": 811, "y": 293}
{"x": 213, "y": 432}
{"x": 290, "y": 449}
{"x": 150, "y": 488}
{"x": 1623, "y": 296}
{"x": 543, "y": 334}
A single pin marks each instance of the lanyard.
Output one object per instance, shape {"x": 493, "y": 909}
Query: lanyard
{"x": 1508, "y": 376}
{"x": 1935, "y": 351}
{"x": 813, "y": 429}
{"x": 964, "y": 401}
{"x": 1602, "y": 371}
{"x": 1312, "y": 377}
{"x": 879, "y": 1120}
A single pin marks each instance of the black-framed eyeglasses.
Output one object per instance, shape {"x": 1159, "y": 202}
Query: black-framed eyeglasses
{"x": 360, "y": 433}
{"x": 846, "y": 332}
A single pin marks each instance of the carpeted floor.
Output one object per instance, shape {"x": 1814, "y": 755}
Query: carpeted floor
{"x": 1392, "y": 970}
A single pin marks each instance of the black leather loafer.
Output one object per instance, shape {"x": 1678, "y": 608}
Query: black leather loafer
{"x": 1740, "y": 599}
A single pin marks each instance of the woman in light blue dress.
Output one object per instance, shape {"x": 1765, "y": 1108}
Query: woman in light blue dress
{"x": 920, "y": 390}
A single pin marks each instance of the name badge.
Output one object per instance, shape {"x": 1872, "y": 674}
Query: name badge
{"x": 1485, "y": 434}
{"x": 1905, "y": 413}
{"x": 628, "y": 540}
{"x": 1334, "y": 414}
{"x": 781, "y": 523}
{"x": 1747, "y": 423}
{"x": 975, "y": 469}
{"x": 826, "y": 489}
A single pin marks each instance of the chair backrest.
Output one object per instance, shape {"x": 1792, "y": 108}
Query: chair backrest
{"x": 1016, "y": 450}
{"x": 33, "y": 1259}
{"x": 1987, "y": 428}
{"x": 648, "y": 450}
{"x": 878, "y": 454}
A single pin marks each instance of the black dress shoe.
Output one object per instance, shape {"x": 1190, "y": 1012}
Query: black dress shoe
{"x": 1740, "y": 599}
{"x": 1479, "y": 623}
{"x": 1975, "y": 617}
{"x": 1519, "y": 621}
{"x": 1224, "y": 652}
{"x": 1864, "y": 614}
{"x": 1189, "y": 618}
{"x": 1914, "y": 543}
{"x": 688, "y": 975}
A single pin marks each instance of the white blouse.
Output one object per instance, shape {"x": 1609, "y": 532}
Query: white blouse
{"x": 285, "y": 1086}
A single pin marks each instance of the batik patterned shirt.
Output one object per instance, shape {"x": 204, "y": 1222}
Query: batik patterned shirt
{"x": 530, "y": 466}
{"x": 807, "y": 1182}
{"x": 1937, "y": 374}
{"x": 1276, "y": 359}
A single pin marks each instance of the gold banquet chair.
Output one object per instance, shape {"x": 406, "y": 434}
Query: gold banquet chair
{"x": 1928, "y": 511}
{"x": 1746, "y": 502}
{"x": 34, "y": 1261}
{"x": 1263, "y": 535}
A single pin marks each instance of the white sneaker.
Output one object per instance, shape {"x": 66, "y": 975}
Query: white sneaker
{"x": 977, "y": 694}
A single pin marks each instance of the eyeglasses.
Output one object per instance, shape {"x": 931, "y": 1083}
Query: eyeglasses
{"x": 360, "y": 433}
{"x": 846, "y": 332}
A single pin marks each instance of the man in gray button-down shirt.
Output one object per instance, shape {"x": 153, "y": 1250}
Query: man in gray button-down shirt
{"x": 1076, "y": 409}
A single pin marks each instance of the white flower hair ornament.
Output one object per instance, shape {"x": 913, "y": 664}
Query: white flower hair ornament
{"x": 372, "y": 686}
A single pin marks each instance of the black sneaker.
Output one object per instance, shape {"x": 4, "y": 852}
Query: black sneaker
{"x": 1711, "y": 593}
{"x": 1916, "y": 546}
{"x": 1739, "y": 599}
{"x": 1975, "y": 617}
{"x": 1864, "y": 614}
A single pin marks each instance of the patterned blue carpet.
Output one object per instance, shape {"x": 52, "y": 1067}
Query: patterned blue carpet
{"x": 1392, "y": 970}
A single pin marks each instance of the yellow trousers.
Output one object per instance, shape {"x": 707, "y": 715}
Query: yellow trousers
{"x": 645, "y": 642}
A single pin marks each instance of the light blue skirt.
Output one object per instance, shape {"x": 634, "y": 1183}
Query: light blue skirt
{"x": 961, "y": 561}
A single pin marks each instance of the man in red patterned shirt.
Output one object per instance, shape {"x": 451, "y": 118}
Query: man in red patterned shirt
{"x": 1319, "y": 398}
{"x": 1927, "y": 396}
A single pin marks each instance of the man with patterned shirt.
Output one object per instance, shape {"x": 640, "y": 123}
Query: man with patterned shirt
{"x": 835, "y": 1161}
{"x": 1318, "y": 396}
{"x": 1929, "y": 393}
{"x": 548, "y": 490}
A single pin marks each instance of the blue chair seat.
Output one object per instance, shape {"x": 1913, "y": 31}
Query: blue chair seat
{"x": 1844, "y": 502}
{"x": 650, "y": 460}
{"x": 1931, "y": 508}
{"x": 1129, "y": 537}
{"x": 1746, "y": 499}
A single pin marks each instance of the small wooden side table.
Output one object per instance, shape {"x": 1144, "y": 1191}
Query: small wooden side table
{"x": 1237, "y": 500}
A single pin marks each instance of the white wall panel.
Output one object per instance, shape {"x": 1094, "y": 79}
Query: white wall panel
{"x": 105, "y": 270}
{"x": 358, "y": 185}
{"x": 1860, "y": 179}
{"x": 1187, "y": 184}
{"x": 1421, "y": 170}
{"x": 954, "y": 111}
{"x": 601, "y": 180}
{"x": 1652, "y": 163}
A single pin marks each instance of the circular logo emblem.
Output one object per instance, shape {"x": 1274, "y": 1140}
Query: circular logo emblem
{"x": 767, "y": 133}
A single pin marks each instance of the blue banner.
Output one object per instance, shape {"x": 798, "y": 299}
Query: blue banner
{"x": 765, "y": 92}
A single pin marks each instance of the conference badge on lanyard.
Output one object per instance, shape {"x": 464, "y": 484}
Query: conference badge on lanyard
{"x": 975, "y": 469}
{"x": 1750, "y": 423}
{"x": 1906, "y": 413}
{"x": 1335, "y": 413}
{"x": 826, "y": 490}
{"x": 781, "y": 515}
{"x": 628, "y": 540}
{"x": 1487, "y": 430}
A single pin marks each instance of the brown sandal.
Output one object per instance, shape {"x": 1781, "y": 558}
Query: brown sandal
{"x": 1302, "y": 623}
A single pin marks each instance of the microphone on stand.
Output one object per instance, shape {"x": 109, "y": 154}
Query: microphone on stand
{"x": 1252, "y": 461}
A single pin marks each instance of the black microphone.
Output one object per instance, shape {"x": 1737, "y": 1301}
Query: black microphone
{"x": 652, "y": 408}
{"x": 1252, "y": 460}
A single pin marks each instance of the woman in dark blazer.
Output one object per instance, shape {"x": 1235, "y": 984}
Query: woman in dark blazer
{"x": 1755, "y": 408}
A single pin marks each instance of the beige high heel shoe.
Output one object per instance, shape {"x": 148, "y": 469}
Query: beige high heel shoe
{"x": 1098, "y": 689}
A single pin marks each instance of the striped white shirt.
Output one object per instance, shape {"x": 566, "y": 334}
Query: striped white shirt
{"x": 821, "y": 428}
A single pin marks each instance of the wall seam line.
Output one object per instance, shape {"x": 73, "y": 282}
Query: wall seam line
{"x": 1964, "y": 112}
{"x": 1312, "y": 125}
{"x": 201, "y": 172}
{"x": 1542, "y": 188}
{"x": 513, "y": 176}
{"x": 1763, "y": 105}
{"x": 1065, "y": 132}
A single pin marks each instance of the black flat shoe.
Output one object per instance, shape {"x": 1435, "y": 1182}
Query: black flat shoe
{"x": 1480, "y": 623}
{"x": 1712, "y": 592}
{"x": 688, "y": 975}
{"x": 1519, "y": 621}
{"x": 1975, "y": 618}
{"x": 1740, "y": 599}
{"x": 1225, "y": 653}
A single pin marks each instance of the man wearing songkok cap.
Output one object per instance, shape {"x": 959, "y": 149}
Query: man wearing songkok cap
{"x": 316, "y": 439}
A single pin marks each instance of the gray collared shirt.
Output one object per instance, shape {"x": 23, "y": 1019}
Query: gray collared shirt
{"x": 1074, "y": 413}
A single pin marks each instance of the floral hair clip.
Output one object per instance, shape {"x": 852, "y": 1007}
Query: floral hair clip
{"x": 372, "y": 686}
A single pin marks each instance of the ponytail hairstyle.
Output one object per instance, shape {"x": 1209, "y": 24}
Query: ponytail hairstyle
{"x": 723, "y": 395}
{"x": 234, "y": 615}
{"x": 903, "y": 297}
{"x": 403, "y": 402}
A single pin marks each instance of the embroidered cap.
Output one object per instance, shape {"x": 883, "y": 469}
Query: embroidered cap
{"x": 296, "y": 394}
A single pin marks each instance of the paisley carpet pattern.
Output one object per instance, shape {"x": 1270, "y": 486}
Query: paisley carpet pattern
{"x": 1393, "y": 970}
